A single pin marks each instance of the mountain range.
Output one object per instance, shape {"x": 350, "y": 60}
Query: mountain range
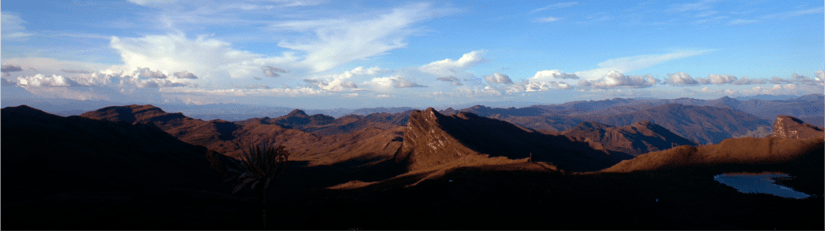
{"x": 138, "y": 166}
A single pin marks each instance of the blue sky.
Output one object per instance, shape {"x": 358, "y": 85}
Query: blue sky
{"x": 330, "y": 54}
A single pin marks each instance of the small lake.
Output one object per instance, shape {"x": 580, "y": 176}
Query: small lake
{"x": 759, "y": 183}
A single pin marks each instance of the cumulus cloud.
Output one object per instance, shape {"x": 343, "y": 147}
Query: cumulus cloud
{"x": 343, "y": 40}
{"x": 680, "y": 78}
{"x": 205, "y": 57}
{"x": 532, "y": 86}
{"x": 10, "y": 68}
{"x": 291, "y": 92}
{"x": 75, "y": 71}
{"x": 40, "y": 80}
{"x": 452, "y": 79}
{"x": 393, "y": 81}
{"x": 449, "y": 67}
{"x": 497, "y": 78}
{"x": 7, "y": 82}
{"x": 338, "y": 82}
{"x": 717, "y": 79}
{"x": 615, "y": 79}
{"x": 147, "y": 73}
{"x": 270, "y": 71}
{"x": 555, "y": 74}
{"x": 806, "y": 80}
{"x": 745, "y": 81}
{"x": 12, "y": 27}
{"x": 185, "y": 75}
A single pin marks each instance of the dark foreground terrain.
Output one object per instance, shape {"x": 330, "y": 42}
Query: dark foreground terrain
{"x": 80, "y": 173}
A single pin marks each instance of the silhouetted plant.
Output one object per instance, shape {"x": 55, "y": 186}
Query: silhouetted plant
{"x": 257, "y": 167}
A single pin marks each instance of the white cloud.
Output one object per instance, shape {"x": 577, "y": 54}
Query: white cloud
{"x": 205, "y": 57}
{"x": 616, "y": 79}
{"x": 392, "y": 81}
{"x": 449, "y": 67}
{"x": 343, "y": 40}
{"x": 292, "y": 92}
{"x": 745, "y": 81}
{"x": 339, "y": 82}
{"x": 555, "y": 74}
{"x": 680, "y": 78}
{"x": 628, "y": 64}
{"x": 50, "y": 66}
{"x": 555, "y": 6}
{"x": 382, "y": 96}
{"x": 151, "y": 2}
{"x": 12, "y": 27}
{"x": 717, "y": 79}
{"x": 701, "y": 5}
{"x": 788, "y": 14}
{"x": 40, "y": 80}
{"x": 497, "y": 78}
{"x": 547, "y": 19}
{"x": 741, "y": 21}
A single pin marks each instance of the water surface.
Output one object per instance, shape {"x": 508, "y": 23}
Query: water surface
{"x": 759, "y": 183}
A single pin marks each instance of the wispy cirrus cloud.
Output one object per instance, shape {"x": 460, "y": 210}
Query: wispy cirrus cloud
{"x": 695, "y": 6}
{"x": 343, "y": 40}
{"x": 12, "y": 27}
{"x": 741, "y": 22}
{"x": 640, "y": 62}
{"x": 547, "y": 19}
{"x": 555, "y": 6}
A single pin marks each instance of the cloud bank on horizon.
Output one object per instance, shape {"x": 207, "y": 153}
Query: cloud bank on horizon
{"x": 328, "y": 54}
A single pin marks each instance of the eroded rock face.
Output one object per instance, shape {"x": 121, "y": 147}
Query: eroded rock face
{"x": 794, "y": 128}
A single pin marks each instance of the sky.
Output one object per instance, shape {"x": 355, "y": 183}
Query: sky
{"x": 318, "y": 54}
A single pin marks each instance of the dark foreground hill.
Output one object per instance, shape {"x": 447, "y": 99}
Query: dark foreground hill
{"x": 60, "y": 172}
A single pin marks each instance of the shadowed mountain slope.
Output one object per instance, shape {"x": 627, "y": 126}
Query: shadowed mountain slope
{"x": 745, "y": 150}
{"x": 432, "y": 139}
{"x": 635, "y": 139}
{"x": 790, "y": 127}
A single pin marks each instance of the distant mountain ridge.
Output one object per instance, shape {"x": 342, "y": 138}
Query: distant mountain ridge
{"x": 634, "y": 139}
{"x": 230, "y": 138}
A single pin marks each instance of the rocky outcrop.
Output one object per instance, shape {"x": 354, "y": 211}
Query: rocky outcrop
{"x": 794, "y": 128}
{"x": 432, "y": 139}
